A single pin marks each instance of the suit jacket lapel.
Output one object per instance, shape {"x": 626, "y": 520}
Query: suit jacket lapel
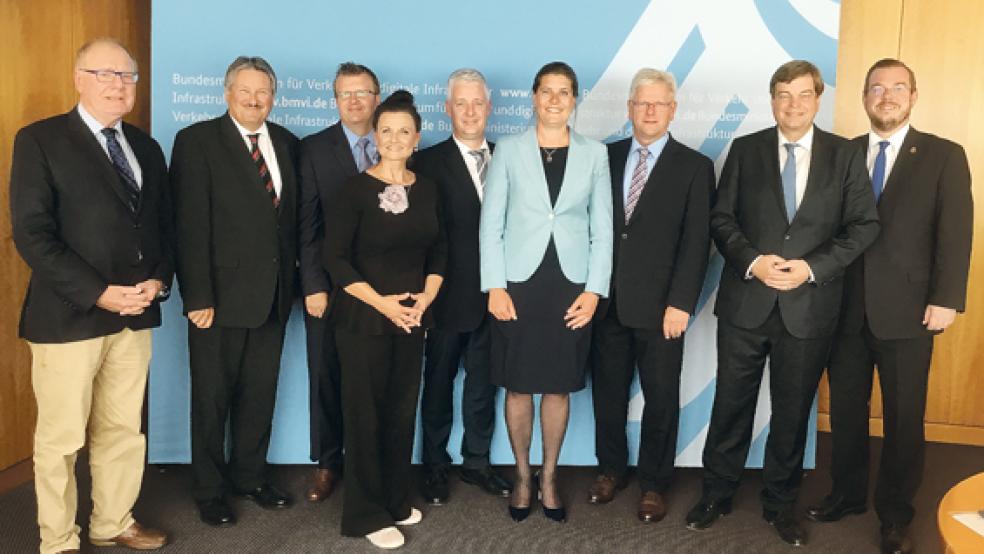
{"x": 143, "y": 158}
{"x": 286, "y": 166}
{"x": 342, "y": 151}
{"x": 769, "y": 155}
{"x": 660, "y": 174}
{"x": 239, "y": 154}
{"x": 534, "y": 165}
{"x": 904, "y": 165}
{"x": 620, "y": 156}
{"x": 819, "y": 167}
{"x": 455, "y": 164}
{"x": 89, "y": 144}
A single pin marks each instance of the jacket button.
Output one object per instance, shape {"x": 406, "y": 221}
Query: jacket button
{"x": 551, "y": 216}
{"x": 787, "y": 237}
{"x": 625, "y": 236}
{"x": 139, "y": 256}
{"x": 275, "y": 260}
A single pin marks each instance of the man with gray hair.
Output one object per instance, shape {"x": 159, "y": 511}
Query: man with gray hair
{"x": 461, "y": 333}
{"x": 236, "y": 203}
{"x": 90, "y": 213}
{"x": 662, "y": 194}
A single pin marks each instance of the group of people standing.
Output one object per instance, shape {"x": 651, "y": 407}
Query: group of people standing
{"x": 533, "y": 263}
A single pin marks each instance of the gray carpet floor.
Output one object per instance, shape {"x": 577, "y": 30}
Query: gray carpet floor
{"x": 475, "y": 523}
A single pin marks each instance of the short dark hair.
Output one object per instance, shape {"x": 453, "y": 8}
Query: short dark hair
{"x": 401, "y": 101}
{"x": 556, "y": 68}
{"x": 352, "y": 69}
{"x": 795, "y": 69}
{"x": 890, "y": 62}
{"x": 250, "y": 62}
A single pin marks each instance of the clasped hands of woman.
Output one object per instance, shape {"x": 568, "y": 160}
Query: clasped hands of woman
{"x": 403, "y": 316}
{"x": 578, "y": 314}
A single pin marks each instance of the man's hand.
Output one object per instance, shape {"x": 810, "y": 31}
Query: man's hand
{"x": 675, "y": 322}
{"x": 501, "y": 305}
{"x": 582, "y": 310}
{"x": 938, "y": 318}
{"x": 148, "y": 291}
{"x": 765, "y": 265}
{"x": 788, "y": 275}
{"x": 202, "y": 318}
{"x": 123, "y": 300}
{"x": 316, "y": 304}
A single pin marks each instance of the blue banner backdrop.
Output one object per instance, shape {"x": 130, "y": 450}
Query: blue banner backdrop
{"x": 721, "y": 52}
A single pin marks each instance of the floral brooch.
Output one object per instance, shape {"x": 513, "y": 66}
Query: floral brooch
{"x": 393, "y": 199}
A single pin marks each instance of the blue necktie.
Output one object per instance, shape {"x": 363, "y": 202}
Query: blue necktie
{"x": 363, "y": 160}
{"x": 789, "y": 180}
{"x": 878, "y": 173}
{"x": 118, "y": 158}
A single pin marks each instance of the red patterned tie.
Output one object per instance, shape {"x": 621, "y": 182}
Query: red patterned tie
{"x": 261, "y": 166}
{"x": 638, "y": 182}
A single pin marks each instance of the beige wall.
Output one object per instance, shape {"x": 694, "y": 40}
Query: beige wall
{"x": 943, "y": 44}
{"x": 38, "y": 40}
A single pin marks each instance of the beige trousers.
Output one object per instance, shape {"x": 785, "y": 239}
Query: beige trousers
{"x": 95, "y": 385}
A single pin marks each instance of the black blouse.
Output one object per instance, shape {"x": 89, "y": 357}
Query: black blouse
{"x": 365, "y": 241}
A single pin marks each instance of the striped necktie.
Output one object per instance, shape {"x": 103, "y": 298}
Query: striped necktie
{"x": 123, "y": 168}
{"x": 261, "y": 167}
{"x": 639, "y": 176}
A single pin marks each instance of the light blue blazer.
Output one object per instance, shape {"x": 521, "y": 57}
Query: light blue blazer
{"x": 518, "y": 220}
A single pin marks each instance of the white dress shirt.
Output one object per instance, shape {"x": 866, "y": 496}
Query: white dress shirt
{"x": 266, "y": 148}
{"x": 97, "y": 128}
{"x": 891, "y": 152}
{"x": 472, "y": 164}
{"x": 802, "y": 160}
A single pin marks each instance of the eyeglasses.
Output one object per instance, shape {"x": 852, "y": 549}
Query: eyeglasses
{"x": 360, "y": 94}
{"x": 108, "y": 76}
{"x": 645, "y": 106}
{"x": 879, "y": 90}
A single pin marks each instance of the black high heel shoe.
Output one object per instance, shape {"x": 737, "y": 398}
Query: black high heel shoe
{"x": 520, "y": 513}
{"x": 558, "y": 514}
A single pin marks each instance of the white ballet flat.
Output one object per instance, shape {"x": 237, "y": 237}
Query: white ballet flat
{"x": 413, "y": 519}
{"x": 386, "y": 538}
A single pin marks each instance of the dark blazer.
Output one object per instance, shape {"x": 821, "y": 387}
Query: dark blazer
{"x": 661, "y": 255}
{"x": 461, "y": 305}
{"x": 236, "y": 252}
{"x": 835, "y": 222}
{"x": 326, "y": 162}
{"x": 922, "y": 255}
{"x": 72, "y": 226}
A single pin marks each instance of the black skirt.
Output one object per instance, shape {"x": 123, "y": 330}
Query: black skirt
{"x": 537, "y": 353}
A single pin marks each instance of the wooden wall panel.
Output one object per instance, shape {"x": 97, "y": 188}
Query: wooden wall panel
{"x": 38, "y": 39}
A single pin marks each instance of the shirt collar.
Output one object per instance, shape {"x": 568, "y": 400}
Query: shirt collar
{"x": 895, "y": 139}
{"x": 353, "y": 138}
{"x": 244, "y": 131}
{"x": 655, "y": 148}
{"x": 465, "y": 149}
{"x": 93, "y": 124}
{"x": 805, "y": 142}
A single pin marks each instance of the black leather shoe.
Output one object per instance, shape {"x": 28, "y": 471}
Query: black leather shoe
{"x": 706, "y": 512}
{"x": 268, "y": 497}
{"x": 834, "y": 508}
{"x": 789, "y": 528}
{"x": 216, "y": 513}
{"x": 486, "y": 479}
{"x": 895, "y": 540}
{"x": 519, "y": 513}
{"x": 434, "y": 487}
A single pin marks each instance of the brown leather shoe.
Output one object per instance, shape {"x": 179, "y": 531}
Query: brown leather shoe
{"x": 136, "y": 537}
{"x": 604, "y": 487}
{"x": 324, "y": 484}
{"x": 651, "y": 507}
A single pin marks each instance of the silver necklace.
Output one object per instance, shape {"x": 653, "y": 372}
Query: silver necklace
{"x": 550, "y": 152}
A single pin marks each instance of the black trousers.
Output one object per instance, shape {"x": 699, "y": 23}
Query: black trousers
{"x": 325, "y": 377}
{"x": 903, "y": 371}
{"x": 380, "y": 385}
{"x": 444, "y": 351}
{"x": 615, "y": 353}
{"x": 795, "y": 366}
{"x": 234, "y": 375}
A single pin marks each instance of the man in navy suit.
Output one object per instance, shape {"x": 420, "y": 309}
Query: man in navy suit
{"x": 793, "y": 210}
{"x": 458, "y": 165}
{"x": 903, "y": 291}
{"x": 328, "y": 159}
{"x": 661, "y": 192}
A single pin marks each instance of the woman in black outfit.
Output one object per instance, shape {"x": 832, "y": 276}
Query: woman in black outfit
{"x": 385, "y": 248}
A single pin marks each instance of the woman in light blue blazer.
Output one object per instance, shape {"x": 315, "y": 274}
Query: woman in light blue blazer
{"x": 546, "y": 256}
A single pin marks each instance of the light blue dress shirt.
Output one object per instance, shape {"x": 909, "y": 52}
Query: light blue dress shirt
{"x": 655, "y": 149}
